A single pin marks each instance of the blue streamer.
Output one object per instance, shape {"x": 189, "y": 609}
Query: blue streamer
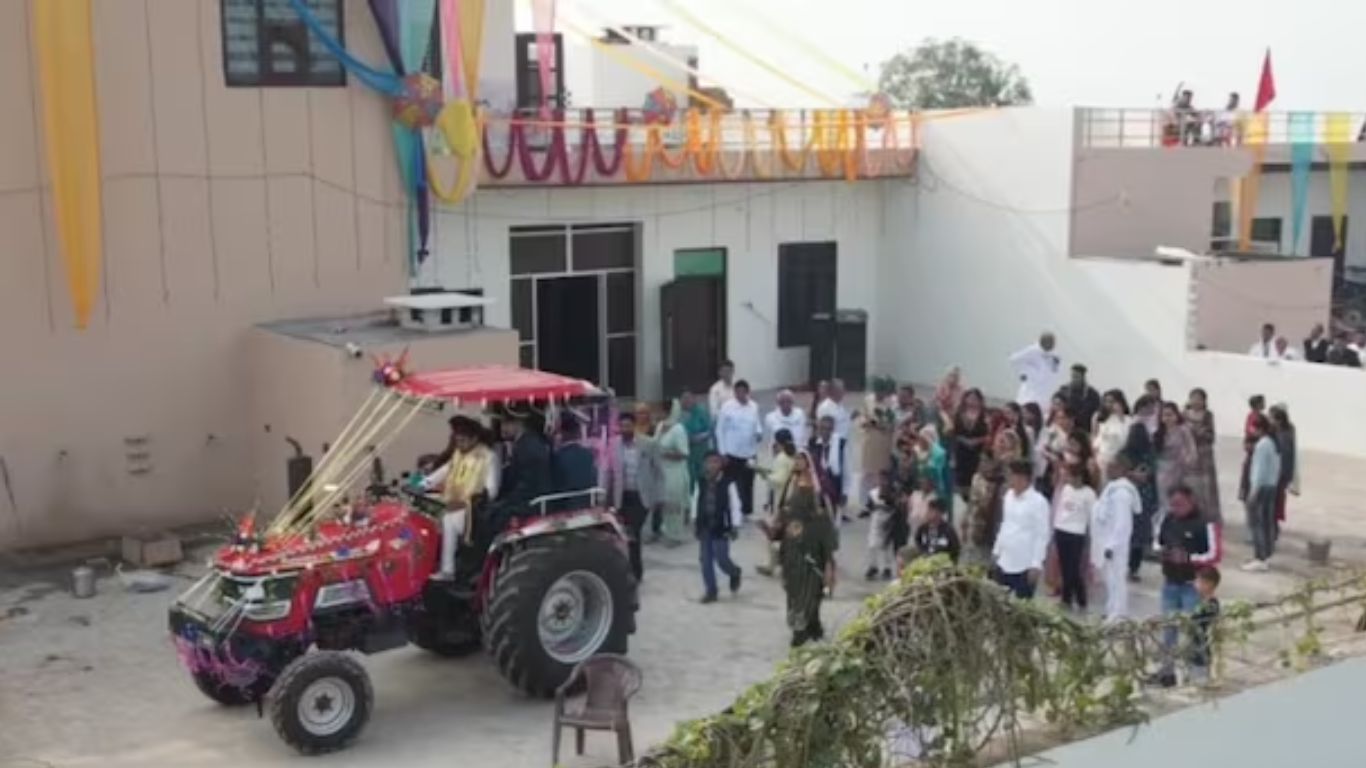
{"x": 416, "y": 18}
{"x": 1301, "y": 159}
{"x": 384, "y": 82}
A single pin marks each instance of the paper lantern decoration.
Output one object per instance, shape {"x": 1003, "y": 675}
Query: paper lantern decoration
{"x": 660, "y": 106}
{"x": 879, "y": 108}
{"x": 389, "y": 372}
{"x": 418, "y": 105}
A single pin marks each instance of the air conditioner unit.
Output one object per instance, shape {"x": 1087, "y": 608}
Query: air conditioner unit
{"x": 440, "y": 311}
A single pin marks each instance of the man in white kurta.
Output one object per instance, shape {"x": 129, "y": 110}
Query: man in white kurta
{"x": 1040, "y": 372}
{"x": 786, "y": 416}
{"x": 1111, "y": 524}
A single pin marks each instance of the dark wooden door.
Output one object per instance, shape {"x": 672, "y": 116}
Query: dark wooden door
{"x": 568, "y": 335}
{"x": 693, "y": 337}
{"x": 1323, "y": 242}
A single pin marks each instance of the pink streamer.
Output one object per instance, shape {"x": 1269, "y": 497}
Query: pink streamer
{"x": 455, "y": 46}
{"x": 543, "y": 21}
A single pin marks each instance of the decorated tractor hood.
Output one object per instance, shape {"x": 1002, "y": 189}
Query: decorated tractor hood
{"x": 384, "y": 530}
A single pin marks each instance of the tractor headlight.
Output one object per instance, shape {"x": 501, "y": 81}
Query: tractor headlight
{"x": 268, "y": 611}
{"x": 344, "y": 593}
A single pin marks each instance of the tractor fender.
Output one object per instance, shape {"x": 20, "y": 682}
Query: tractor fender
{"x": 560, "y": 523}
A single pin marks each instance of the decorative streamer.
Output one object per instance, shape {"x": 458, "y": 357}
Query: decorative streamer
{"x": 1301, "y": 156}
{"x": 385, "y": 13}
{"x": 744, "y": 52}
{"x": 384, "y": 82}
{"x": 813, "y": 50}
{"x": 454, "y": 53}
{"x": 472, "y": 44}
{"x": 1255, "y": 139}
{"x": 1337, "y": 132}
{"x": 63, "y": 39}
{"x": 415, "y": 32}
{"x": 543, "y": 22}
{"x": 614, "y": 52}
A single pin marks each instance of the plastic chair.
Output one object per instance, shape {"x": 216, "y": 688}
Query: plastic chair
{"x": 610, "y": 682}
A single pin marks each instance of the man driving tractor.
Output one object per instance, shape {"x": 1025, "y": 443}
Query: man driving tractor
{"x": 468, "y": 481}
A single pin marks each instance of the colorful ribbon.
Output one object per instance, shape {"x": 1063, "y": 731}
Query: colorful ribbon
{"x": 384, "y": 82}
{"x": 1301, "y": 157}
{"x": 1337, "y": 134}
{"x": 64, "y": 48}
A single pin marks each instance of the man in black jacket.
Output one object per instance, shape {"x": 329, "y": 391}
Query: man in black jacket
{"x": 1083, "y": 401}
{"x": 1187, "y": 543}
{"x": 527, "y": 475}
{"x": 717, "y": 517}
{"x": 1316, "y": 346}
{"x": 574, "y": 468}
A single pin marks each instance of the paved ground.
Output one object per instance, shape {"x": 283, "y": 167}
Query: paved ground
{"x": 1306, "y": 720}
{"x": 95, "y": 682}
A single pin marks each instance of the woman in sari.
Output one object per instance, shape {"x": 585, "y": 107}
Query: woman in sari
{"x": 671, "y": 451}
{"x": 1203, "y": 477}
{"x": 879, "y": 422}
{"x": 1175, "y": 449}
{"x": 805, "y": 531}
{"x": 984, "y": 498}
{"x": 1112, "y": 427}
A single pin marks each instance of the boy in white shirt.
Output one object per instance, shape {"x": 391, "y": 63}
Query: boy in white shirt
{"x": 1076, "y": 502}
{"x": 1112, "y": 523}
{"x": 722, "y": 390}
{"x": 1022, "y": 540}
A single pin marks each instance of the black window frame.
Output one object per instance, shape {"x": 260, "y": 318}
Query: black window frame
{"x": 808, "y": 274}
{"x": 528, "y": 73}
{"x": 307, "y": 76}
{"x": 1267, "y": 221}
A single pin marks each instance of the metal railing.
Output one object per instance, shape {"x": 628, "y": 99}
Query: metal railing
{"x": 1143, "y": 128}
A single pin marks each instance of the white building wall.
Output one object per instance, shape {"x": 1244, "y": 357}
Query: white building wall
{"x": 470, "y": 249}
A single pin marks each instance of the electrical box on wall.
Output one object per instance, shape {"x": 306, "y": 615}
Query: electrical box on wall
{"x": 437, "y": 311}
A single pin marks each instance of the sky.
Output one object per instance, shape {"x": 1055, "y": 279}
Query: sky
{"x": 1074, "y": 52}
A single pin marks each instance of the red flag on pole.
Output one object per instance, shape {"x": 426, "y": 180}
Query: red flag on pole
{"x": 1266, "y": 88}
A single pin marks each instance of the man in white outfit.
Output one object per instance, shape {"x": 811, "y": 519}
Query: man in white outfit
{"x": 833, "y": 408}
{"x": 738, "y": 433}
{"x": 1265, "y": 347}
{"x": 1112, "y": 523}
{"x": 722, "y": 391}
{"x": 1040, "y": 372}
{"x": 786, "y": 416}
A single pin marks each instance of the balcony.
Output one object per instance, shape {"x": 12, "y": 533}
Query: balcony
{"x": 1100, "y": 128}
{"x": 614, "y": 147}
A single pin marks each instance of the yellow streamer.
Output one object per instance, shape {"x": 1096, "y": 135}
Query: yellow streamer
{"x": 614, "y": 51}
{"x": 1255, "y": 138}
{"x": 1337, "y": 134}
{"x": 460, "y": 128}
{"x": 472, "y": 44}
{"x": 744, "y": 53}
{"x": 64, "y": 43}
{"x": 811, "y": 49}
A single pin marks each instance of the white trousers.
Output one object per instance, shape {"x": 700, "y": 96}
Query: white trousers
{"x": 452, "y": 528}
{"x": 1116, "y": 573}
{"x": 880, "y": 555}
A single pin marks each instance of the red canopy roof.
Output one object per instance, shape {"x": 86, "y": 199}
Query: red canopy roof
{"x": 493, "y": 384}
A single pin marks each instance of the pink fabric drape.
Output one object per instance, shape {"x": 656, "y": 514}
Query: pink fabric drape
{"x": 543, "y": 22}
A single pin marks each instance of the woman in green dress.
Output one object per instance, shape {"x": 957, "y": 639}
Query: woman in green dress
{"x": 805, "y": 531}
{"x": 675, "y": 488}
{"x": 696, "y": 420}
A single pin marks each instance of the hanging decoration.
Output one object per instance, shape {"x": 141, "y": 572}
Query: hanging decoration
{"x": 1301, "y": 156}
{"x": 1337, "y": 134}
{"x": 419, "y": 103}
{"x": 64, "y": 48}
{"x": 1256, "y": 138}
{"x": 660, "y": 106}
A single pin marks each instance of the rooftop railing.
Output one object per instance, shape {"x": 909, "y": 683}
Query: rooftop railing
{"x": 1143, "y": 128}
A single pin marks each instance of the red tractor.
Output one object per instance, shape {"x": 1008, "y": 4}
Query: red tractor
{"x": 276, "y": 621}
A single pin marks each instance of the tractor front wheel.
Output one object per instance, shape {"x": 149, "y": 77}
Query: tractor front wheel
{"x": 321, "y": 702}
{"x": 558, "y": 601}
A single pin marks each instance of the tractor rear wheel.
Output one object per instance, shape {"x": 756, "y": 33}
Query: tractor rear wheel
{"x": 321, "y": 702}
{"x": 557, "y": 601}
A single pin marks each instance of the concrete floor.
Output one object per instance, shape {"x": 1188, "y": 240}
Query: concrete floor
{"x": 1306, "y": 720}
{"x": 96, "y": 683}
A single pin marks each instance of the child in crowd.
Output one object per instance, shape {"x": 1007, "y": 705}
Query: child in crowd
{"x": 1203, "y": 622}
{"x": 937, "y": 536}
{"x": 1075, "y": 503}
{"x": 884, "y": 508}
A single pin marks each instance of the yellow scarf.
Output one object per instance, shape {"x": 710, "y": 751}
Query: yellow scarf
{"x": 468, "y": 473}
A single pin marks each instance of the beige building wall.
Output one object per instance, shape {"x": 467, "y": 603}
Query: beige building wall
{"x": 1230, "y": 300}
{"x": 224, "y": 207}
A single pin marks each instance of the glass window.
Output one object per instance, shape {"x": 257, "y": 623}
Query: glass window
{"x": 621, "y": 302}
{"x": 265, "y": 43}
{"x": 621, "y": 365}
{"x": 610, "y": 246}
{"x": 523, "y": 309}
{"x": 535, "y": 252}
{"x": 806, "y": 286}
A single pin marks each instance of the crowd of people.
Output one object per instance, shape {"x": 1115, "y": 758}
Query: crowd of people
{"x": 1065, "y": 487}
{"x": 1341, "y": 349}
